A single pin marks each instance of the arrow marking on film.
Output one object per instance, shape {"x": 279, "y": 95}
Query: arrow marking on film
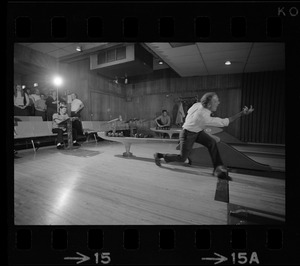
{"x": 218, "y": 260}
{"x": 81, "y": 259}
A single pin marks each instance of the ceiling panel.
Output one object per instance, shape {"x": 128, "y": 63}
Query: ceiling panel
{"x": 181, "y": 51}
{"x": 43, "y": 47}
{"x": 61, "y": 45}
{"x": 224, "y": 56}
{"x": 222, "y": 47}
{"x": 58, "y": 53}
{"x": 196, "y": 59}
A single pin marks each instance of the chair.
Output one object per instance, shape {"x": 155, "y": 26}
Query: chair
{"x": 25, "y": 130}
{"x": 87, "y": 128}
{"x": 41, "y": 129}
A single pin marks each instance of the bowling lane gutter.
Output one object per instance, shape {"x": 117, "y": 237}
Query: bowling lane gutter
{"x": 260, "y": 153}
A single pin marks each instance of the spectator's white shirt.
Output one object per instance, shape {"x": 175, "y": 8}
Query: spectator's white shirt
{"x": 198, "y": 118}
{"x": 35, "y": 97}
{"x": 75, "y": 105}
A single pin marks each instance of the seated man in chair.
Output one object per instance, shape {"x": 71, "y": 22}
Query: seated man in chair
{"x": 59, "y": 127}
{"x": 163, "y": 121}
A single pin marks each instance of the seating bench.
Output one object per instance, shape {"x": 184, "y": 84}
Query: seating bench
{"x": 32, "y": 130}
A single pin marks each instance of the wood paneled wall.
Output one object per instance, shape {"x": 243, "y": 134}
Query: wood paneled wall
{"x": 148, "y": 98}
{"x": 144, "y": 97}
{"x": 103, "y": 99}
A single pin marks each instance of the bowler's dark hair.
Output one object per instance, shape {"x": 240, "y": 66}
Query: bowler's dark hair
{"x": 206, "y": 98}
{"x": 164, "y": 111}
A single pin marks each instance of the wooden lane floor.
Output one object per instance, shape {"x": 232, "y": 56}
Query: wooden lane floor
{"x": 254, "y": 199}
{"x": 273, "y": 155}
{"x": 96, "y": 185}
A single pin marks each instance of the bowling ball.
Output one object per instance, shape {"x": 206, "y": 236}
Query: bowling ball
{"x": 121, "y": 134}
{"x": 109, "y": 134}
{"x": 141, "y": 135}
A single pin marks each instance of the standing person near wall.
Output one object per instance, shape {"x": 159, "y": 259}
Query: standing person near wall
{"x": 198, "y": 117}
{"x": 36, "y": 95}
{"x": 21, "y": 102}
{"x": 30, "y": 107}
{"x": 41, "y": 107}
{"x": 51, "y": 103}
{"x": 76, "y": 108}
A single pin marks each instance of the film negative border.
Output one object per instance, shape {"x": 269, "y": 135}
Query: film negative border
{"x": 161, "y": 22}
{"x": 160, "y": 245}
{"x": 154, "y": 21}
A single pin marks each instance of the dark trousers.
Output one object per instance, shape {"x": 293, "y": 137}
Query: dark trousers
{"x": 77, "y": 123}
{"x": 187, "y": 139}
{"x": 60, "y": 133}
{"x": 42, "y": 114}
{"x": 50, "y": 113}
{"x": 20, "y": 112}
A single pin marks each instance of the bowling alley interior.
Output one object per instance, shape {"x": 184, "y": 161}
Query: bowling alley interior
{"x": 98, "y": 167}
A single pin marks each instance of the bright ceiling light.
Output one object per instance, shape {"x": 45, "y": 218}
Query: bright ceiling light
{"x": 160, "y": 62}
{"x": 57, "y": 81}
{"x": 227, "y": 63}
{"x": 78, "y": 49}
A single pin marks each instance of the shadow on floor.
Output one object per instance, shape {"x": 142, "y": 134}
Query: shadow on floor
{"x": 169, "y": 167}
{"x": 79, "y": 152}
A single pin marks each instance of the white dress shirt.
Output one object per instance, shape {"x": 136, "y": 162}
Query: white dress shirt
{"x": 75, "y": 105}
{"x": 198, "y": 118}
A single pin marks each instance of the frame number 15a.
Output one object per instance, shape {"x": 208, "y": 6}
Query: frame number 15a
{"x": 244, "y": 257}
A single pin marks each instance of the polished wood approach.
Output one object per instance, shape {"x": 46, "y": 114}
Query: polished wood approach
{"x": 93, "y": 185}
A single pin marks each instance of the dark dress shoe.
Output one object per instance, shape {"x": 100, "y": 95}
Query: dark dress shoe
{"x": 157, "y": 160}
{"x": 76, "y": 144}
{"x": 61, "y": 146}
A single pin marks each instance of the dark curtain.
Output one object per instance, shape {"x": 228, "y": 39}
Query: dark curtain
{"x": 266, "y": 92}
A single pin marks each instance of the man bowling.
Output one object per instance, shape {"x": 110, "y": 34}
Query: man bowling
{"x": 197, "y": 119}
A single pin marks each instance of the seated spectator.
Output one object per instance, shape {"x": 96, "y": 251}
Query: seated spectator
{"x": 21, "y": 101}
{"x": 59, "y": 127}
{"x": 163, "y": 121}
{"x": 62, "y": 103}
{"x": 41, "y": 107}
